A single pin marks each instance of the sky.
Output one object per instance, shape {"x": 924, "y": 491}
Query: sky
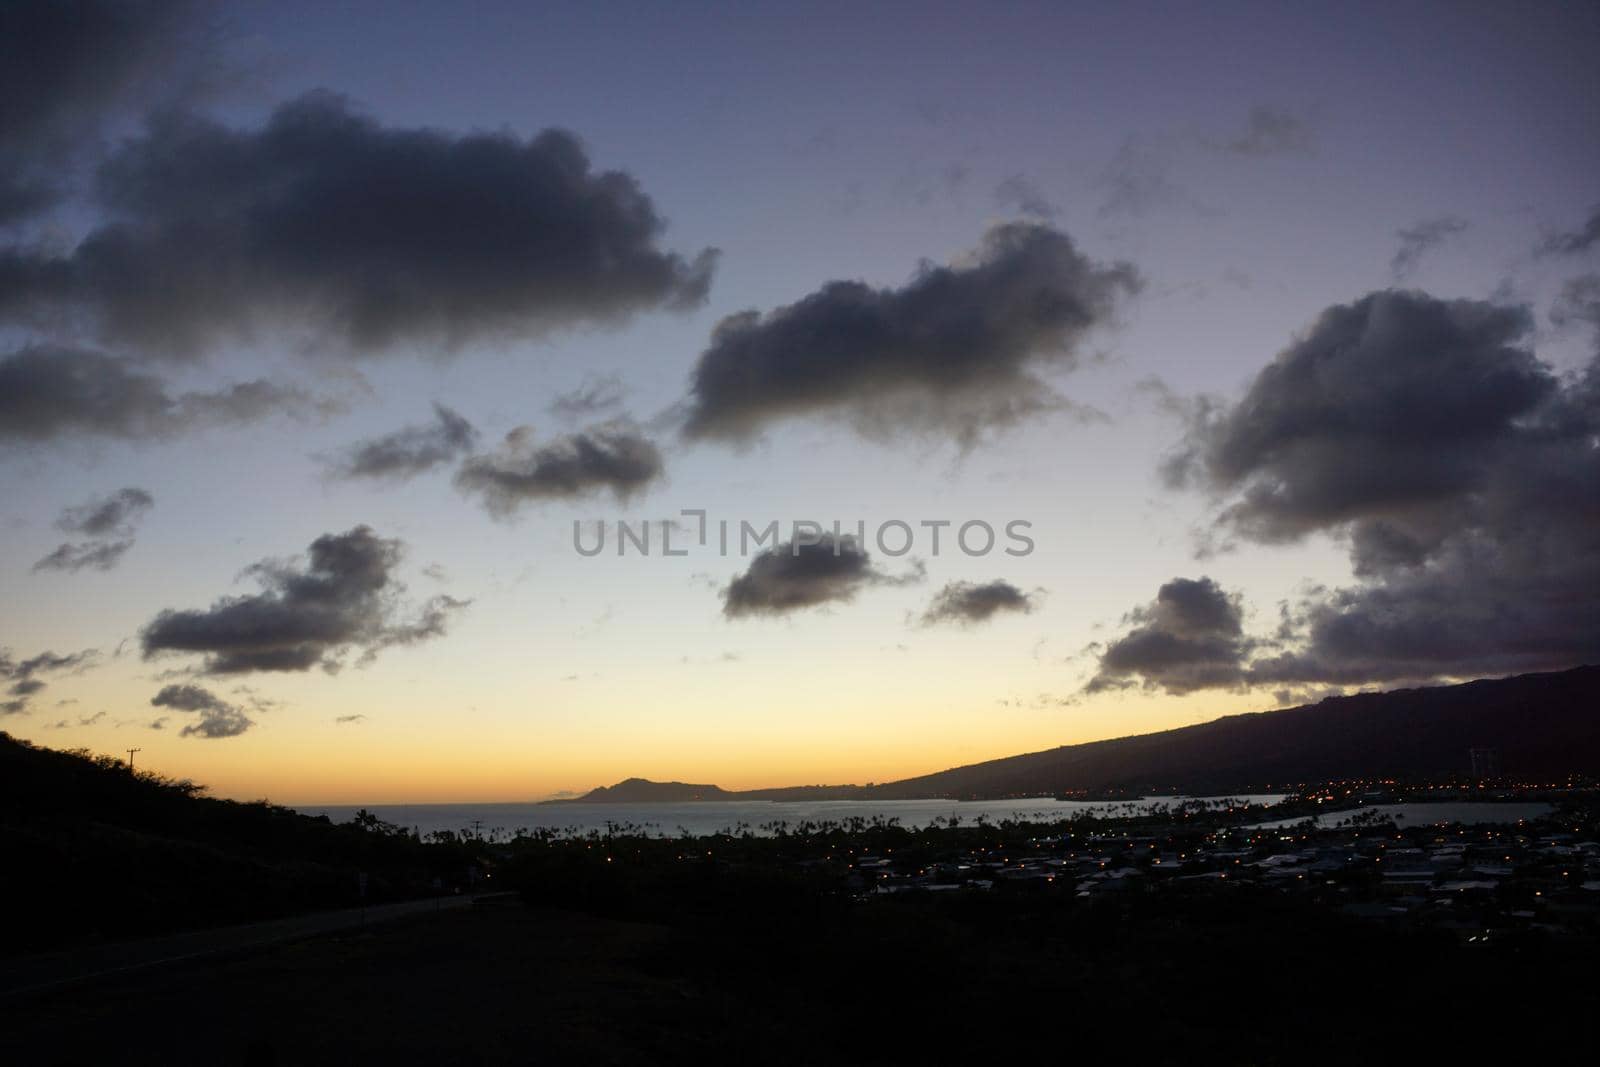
{"x": 1261, "y": 336}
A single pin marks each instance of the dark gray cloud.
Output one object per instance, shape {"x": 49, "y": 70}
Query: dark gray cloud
{"x": 1393, "y": 400}
{"x": 1574, "y": 241}
{"x": 1270, "y": 131}
{"x": 84, "y": 555}
{"x": 50, "y": 393}
{"x": 611, "y": 457}
{"x": 1416, "y": 241}
{"x": 1460, "y": 470}
{"x": 595, "y": 396}
{"x": 114, "y": 514}
{"x": 344, "y": 597}
{"x": 409, "y": 451}
{"x": 65, "y": 68}
{"x": 956, "y": 349}
{"x": 351, "y": 236}
{"x": 22, "y": 680}
{"x": 108, "y": 522}
{"x": 349, "y": 720}
{"x": 218, "y": 718}
{"x": 1021, "y": 194}
{"x": 1190, "y": 637}
{"x": 973, "y": 602}
{"x": 799, "y": 574}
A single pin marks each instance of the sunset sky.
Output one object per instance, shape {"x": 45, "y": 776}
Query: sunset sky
{"x": 321, "y": 325}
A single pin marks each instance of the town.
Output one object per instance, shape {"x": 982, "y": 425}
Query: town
{"x": 1476, "y": 877}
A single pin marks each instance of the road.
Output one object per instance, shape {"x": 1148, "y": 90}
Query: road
{"x": 34, "y": 974}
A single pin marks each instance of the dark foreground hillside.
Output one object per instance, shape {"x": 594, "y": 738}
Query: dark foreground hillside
{"x": 929, "y": 981}
{"x": 1540, "y": 727}
{"x": 89, "y": 851}
{"x": 1168, "y": 937}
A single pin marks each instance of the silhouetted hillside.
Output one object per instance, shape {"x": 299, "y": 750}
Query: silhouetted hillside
{"x": 90, "y": 850}
{"x": 1542, "y": 725}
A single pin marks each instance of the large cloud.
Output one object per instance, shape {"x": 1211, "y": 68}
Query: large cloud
{"x": 343, "y": 598}
{"x": 800, "y": 574}
{"x": 1390, "y": 403}
{"x": 108, "y": 523}
{"x": 1462, "y": 472}
{"x": 956, "y": 349}
{"x": 613, "y": 456}
{"x": 49, "y": 392}
{"x": 218, "y": 718}
{"x": 411, "y": 450}
{"x": 21, "y": 677}
{"x": 66, "y": 67}
{"x": 353, "y": 235}
{"x": 973, "y": 602}
{"x": 1191, "y": 637}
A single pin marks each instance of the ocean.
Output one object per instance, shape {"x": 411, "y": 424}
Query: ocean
{"x": 1467, "y": 813}
{"x": 502, "y": 821}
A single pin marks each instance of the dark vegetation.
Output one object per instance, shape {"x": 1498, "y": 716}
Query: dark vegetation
{"x": 92, "y": 851}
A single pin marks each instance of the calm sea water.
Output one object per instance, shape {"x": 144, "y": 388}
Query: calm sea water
{"x": 1469, "y": 814}
{"x": 709, "y": 817}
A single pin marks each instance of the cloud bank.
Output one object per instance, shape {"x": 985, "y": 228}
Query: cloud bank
{"x": 797, "y": 575}
{"x": 108, "y": 522}
{"x": 352, "y": 236}
{"x": 218, "y": 718}
{"x": 1460, "y": 470}
{"x": 65, "y": 68}
{"x": 970, "y": 602}
{"x": 612, "y": 457}
{"x": 410, "y": 451}
{"x": 956, "y": 350}
{"x": 1190, "y": 637}
{"x": 343, "y": 598}
{"x": 21, "y": 677}
{"x": 51, "y": 393}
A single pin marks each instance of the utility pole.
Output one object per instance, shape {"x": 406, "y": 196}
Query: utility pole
{"x": 131, "y": 751}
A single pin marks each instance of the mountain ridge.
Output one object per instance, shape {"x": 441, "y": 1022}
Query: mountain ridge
{"x": 1540, "y": 724}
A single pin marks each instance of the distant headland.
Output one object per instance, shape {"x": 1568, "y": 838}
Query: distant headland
{"x": 644, "y": 791}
